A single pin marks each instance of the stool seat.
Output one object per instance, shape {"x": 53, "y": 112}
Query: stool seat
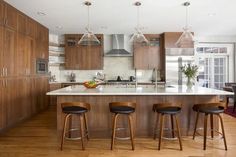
{"x": 74, "y": 110}
{"x": 212, "y": 109}
{"x": 168, "y": 110}
{"x": 122, "y": 109}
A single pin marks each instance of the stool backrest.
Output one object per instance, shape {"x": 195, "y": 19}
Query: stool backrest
{"x": 167, "y": 104}
{"x": 126, "y": 104}
{"x": 78, "y": 104}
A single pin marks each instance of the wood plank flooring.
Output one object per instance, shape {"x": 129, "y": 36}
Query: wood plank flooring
{"x": 37, "y": 138}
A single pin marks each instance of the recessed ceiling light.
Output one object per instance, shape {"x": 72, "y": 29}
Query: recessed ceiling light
{"x": 104, "y": 27}
{"x": 59, "y": 27}
{"x": 212, "y": 14}
{"x": 41, "y": 13}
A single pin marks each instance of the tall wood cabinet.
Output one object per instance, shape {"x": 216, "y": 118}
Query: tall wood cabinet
{"x": 81, "y": 57}
{"x": 148, "y": 56}
{"x": 22, "y": 91}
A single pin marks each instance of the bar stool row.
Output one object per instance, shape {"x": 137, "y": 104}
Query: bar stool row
{"x": 128, "y": 108}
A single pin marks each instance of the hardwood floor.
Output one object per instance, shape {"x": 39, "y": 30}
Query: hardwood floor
{"x": 37, "y": 137}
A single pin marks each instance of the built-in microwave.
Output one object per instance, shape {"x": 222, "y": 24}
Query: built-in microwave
{"x": 41, "y": 66}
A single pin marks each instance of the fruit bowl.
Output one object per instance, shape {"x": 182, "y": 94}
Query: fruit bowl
{"x": 90, "y": 84}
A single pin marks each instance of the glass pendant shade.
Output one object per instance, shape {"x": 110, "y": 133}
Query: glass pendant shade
{"x": 186, "y": 39}
{"x": 138, "y": 37}
{"x": 89, "y": 39}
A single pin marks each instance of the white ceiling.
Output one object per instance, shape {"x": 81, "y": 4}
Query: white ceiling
{"x": 119, "y": 16}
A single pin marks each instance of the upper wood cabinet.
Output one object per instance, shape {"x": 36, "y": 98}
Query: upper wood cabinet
{"x": 148, "y": 56}
{"x": 1, "y": 12}
{"x": 10, "y": 17}
{"x": 9, "y": 52}
{"x": 41, "y": 42}
{"x": 1, "y": 50}
{"x": 21, "y": 23}
{"x": 30, "y": 25}
{"x": 80, "y": 57}
{"x": 170, "y": 39}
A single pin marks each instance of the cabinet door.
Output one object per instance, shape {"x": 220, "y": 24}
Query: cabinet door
{"x": 21, "y": 23}
{"x": 1, "y": 50}
{"x": 1, "y": 13}
{"x": 154, "y": 59}
{"x": 30, "y": 25}
{"x": 95, "y": 58}
{"x": 29, "y": 61}
{"x": 20, "y": 53}
{"x": 11, "y": 17}
{"x": 14, "y": 109}
{"x": 72, "y": 55}
{"x": 141, "y": 57}
{"x": 2, "y": 105}
{"x": 9, "y": 54}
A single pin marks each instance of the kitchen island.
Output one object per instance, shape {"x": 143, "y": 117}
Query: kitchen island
{"x": 100, "y": 118}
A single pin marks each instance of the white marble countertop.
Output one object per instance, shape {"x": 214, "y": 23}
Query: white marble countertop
{"x": 141, "y": 90}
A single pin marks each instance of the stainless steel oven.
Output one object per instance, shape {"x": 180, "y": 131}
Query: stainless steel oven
{"x": 41, "y": 66}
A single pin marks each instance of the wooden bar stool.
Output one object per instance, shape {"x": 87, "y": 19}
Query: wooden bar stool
{"x": 78, "y": 109}
{"x": 163, "y": 109}
{"x": 125, "y": 108}
{"x": 209, "y": 109}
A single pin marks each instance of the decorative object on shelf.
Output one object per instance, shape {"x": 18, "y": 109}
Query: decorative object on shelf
{"x": 88, "y": 38}
{"x": 186, "y": 40}
{"x": 138, "y": 36}
{"x": 190, "y": 72}
{"x": 90, "y": 84}
{"x": 72, "y": 77}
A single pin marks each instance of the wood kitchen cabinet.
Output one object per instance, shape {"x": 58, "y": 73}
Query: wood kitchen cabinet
{"x": 170, "y": 39}
{"x": 81, "y": 57}
{"x": 148, "y": 56}
{"x": 52, "y": 87}
{"x": 42, "y": 42}
{"x": 3, "y": 114}
{"x": 1, "y": 50}
{"x": 10, "y": 17}
{"x": 30, "y": 25}
{"x": 21, "y": 23}
{"x": 1, "y": 13}
{"x": 9, "y": 52}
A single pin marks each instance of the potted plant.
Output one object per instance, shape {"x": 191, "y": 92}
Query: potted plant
{"x": 190, "y": 72}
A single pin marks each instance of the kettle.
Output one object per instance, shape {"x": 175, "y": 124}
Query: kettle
{"x": 131, "y": 78}
{"x": 118, "y": 78}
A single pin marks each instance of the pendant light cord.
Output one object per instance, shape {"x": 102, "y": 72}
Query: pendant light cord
{"x": 138, "y": 17}
{"x": 88, "y": 26}
{"x": 187, "y": 19}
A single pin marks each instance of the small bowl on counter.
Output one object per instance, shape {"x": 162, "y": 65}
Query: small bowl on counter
{"x": 90, "y": 84}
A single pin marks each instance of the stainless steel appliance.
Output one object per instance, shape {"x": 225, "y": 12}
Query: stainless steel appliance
{"x": 41, "y": 66}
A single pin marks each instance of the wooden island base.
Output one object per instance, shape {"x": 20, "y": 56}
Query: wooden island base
{"x": 100, "y": 118}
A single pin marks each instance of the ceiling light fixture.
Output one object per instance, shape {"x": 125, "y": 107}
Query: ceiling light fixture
{"x": 88, "y": 38}
{"x": 186, "y": 40}
{"x": 138, "y": 36}
{"x": 41, "y": 13}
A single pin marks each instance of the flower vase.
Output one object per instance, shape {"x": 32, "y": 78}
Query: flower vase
{"x": 189, "y": 82}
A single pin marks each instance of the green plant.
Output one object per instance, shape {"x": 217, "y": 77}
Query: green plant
{"x": 189, "y": 70}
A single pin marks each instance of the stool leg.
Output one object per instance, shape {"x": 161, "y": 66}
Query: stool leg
{"x": 131, "y": 131}
{"x": 223, "y": 130}
{"x": 155, "y": 128}
{"x": 113, "y": 130}
{"x": 179, "y": 134}
{"x": 195, "y": 127}
{"x": 212, "y": 127}
{"x": 161, "y": 131}
{"x": 82, "y": 130}
{"x": 64, "y": 130}
{"x": 86, "y": 126}
{"x": 172, "y": 126}
{"x": 205, "y": 131}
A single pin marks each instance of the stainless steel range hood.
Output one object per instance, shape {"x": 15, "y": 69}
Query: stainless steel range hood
{"x": 120, "y": 46}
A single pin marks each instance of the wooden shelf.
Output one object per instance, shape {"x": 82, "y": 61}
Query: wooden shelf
{"x": 51, "y": 53}
{"x": 56, "y": 64}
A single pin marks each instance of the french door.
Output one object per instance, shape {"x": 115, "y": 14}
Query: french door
{"x": 215, "y": 65}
